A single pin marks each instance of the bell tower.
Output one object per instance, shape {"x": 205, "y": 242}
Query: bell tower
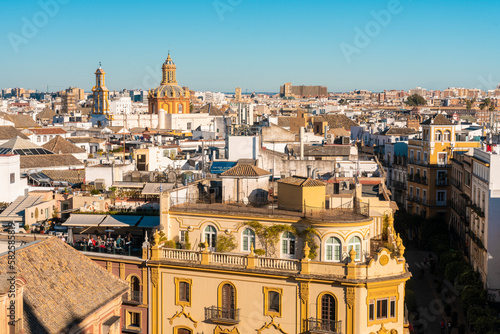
{"x": 100, "y": 93}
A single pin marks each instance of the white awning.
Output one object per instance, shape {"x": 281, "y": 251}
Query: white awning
{"x": 84, "y": 220}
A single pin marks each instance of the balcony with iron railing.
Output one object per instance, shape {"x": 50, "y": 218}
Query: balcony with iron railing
{"x": 399, "y": 185}
{"x": 442, "y": 182}
{"x": 323, "y": 326}
{"x": 222, "y": 315}
{"x": 418, "y": 162}
{"x": 456, "y": 183}
{"x": 419, "y": 179}
{"x": 440, "y": 164}
{"x": 133, "y": 297}
{"x": 426, "y": 202}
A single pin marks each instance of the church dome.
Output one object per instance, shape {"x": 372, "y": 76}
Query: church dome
{"x": 168, "y": 91}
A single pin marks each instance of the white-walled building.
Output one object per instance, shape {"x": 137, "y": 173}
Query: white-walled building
{"x": 243, "y": 147}
{"x": 41, "y": 136}
{"x": 11, "y": 183}
{"x": 245, "y": 184}
{"x": 120, "y": 106}
{"x": 188, "y": 122}
{"x": 107, "y": 173}
{"x": 485, "y": 219}
{"x": 136, "y": 120}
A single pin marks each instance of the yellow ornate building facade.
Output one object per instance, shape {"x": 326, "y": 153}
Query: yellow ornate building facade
{"x": 229, "y": 278}
{"x": 429, "y": 167}
{"x": 168, "y": 97}
{"x": 100, "y": 93}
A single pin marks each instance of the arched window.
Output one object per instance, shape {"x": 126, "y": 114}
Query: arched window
{"x": 248, "y": 239}
{"x": 180, "y": 108}
{"x": 44, "y": 138}
{"x": 332, "y": 251}
{"x": 227, "y": 302}
{"x": 356, "y": 243}
{"x": 288, "y": 244}
{"x": 211, "y": 236}
{"x": 135, "y": 289}
{"x": 447, "y": 135}
{"x": 328, "y": 314}
{"x": 182, "y": 330}
{"x": 439, "y": 135}
{"x": 38, "y": 138}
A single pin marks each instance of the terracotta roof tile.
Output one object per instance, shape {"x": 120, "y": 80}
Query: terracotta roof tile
{"x": 9, "y": 132}
{"x": 48, "y": 131}
{"x": 63, "y": 287}
{"x": 78, "y": 140}
{"x": 440, "y": 119}
{"x": 21, "y": 121}
{"x": 302, "y": 181}
{"x": 49, "y": 160}
{"x": 245, "y": 170}
{"x": 62, "y": 146}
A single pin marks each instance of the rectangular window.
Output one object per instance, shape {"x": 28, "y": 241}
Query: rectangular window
{"x": 329, "y": 253}
{"x": 382, "y": 308}
{"x": 273, "y": 301}
{"x": 393, "y": 307}
{"x": 182, "y": 236}
{"x": 442, "y": 159}
{"x": 371, "y": 312}
{"x": 183, "y": 291}
{"x": 135, "y": 319}
{"x": 12, "y": 178}
{"x": 467, "y": 178}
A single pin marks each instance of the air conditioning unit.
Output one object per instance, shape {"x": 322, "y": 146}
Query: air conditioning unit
{"x": 100, "y": 184}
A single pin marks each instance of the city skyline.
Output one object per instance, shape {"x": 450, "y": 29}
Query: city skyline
{"x": 223, "y": 44}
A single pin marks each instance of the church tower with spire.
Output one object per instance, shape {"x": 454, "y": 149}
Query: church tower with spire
{"x": 168, "y": 97}
{"x": 100, "y": 93}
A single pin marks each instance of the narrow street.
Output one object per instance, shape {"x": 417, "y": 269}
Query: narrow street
{"x": 430, "y": 303}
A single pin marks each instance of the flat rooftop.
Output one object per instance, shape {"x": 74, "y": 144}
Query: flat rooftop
{"x": 334, "y": 216}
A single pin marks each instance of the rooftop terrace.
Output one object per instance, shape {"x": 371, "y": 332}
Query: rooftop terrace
{"x": 335, "y": 215}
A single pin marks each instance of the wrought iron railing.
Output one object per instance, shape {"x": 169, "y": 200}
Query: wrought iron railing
{"x": 442, "y": 182}
{"x": 222, "y": 314}
{"x": 133, "y": 296}
{"x": 315, "y": 325}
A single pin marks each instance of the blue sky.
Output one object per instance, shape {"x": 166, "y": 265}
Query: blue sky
{"x": 255, "y": 44}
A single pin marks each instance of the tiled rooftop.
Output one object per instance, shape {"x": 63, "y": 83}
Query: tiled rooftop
{"x": 245, "y": 170}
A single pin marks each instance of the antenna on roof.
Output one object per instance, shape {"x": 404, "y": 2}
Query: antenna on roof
{"x": 99, "y": 64}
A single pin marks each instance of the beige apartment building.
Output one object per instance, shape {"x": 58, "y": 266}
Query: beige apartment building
{"x": 241, "y": 269}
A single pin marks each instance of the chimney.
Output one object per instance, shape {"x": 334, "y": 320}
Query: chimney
{"x": 301, "y": 138}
